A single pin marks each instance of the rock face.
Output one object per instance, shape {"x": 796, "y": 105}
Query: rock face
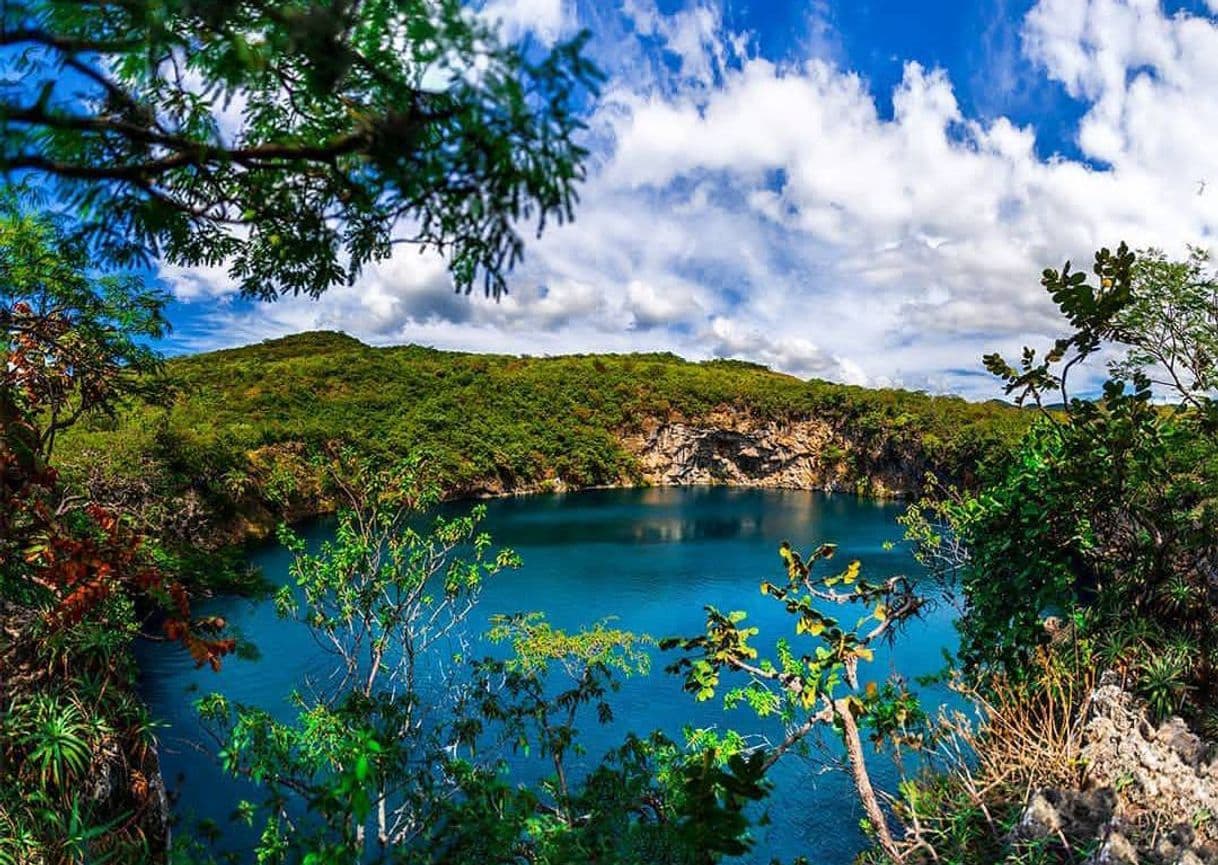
{"x": 726, "y": 446}
{"x": 1150, "y": 794}
{"x": 738, "y": 450}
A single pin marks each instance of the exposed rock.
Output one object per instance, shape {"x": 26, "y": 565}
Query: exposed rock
{"x": 739, "y": 450}
{"x": 158, "y": 818}
{"x": 1150, "y": 794}
{"x": 105, "y": 776}
{"x": 1177, "y": 737}
{"x": 1072, "y": 814}
{"x": 134, "y": 792}
{"x": 1040, "y": 818}
{"x": 1156, "y": 771}
{"x": 1116, "y": 850}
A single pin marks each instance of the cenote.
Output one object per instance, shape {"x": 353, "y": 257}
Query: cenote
{"x": 652, "y": 558}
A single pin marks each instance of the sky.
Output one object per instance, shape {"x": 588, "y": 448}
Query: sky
{"x": 862, "y": 191}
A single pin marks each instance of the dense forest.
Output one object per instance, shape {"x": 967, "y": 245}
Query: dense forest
{"x": 1074, "y": 530}
{"x": 236, "y": 435}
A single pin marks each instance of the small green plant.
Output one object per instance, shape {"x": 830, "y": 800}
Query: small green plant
{"x": 57, "y": 737}
{"x": 1201, "y": 818}
{"x": 1163, "y": 683}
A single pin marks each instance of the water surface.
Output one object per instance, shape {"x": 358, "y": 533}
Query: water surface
{"x": 651, "y": 558}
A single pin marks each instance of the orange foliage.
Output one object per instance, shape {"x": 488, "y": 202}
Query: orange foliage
{"x": 79, "y": 553}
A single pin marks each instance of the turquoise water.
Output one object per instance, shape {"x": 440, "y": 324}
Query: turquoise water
{"x": 652, "y": 558}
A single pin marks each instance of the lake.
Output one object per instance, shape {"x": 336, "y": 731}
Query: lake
{"x": 652, "y": 558}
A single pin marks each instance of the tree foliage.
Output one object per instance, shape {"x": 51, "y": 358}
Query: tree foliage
{"x": 1169, "y": 326}
{"x": 71, "y": 346}
{"x": 294, "y": 142}
{"x": 75, "y": 339}
{"x": 816, "y": 689}
{"x": 1102, "y": 522}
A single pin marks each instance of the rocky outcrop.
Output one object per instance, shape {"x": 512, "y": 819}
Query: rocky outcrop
{"x": 740, "y": 450}
{"x": 126, "y": 784}
{"x": 725, "y": 447}
{"x": 1150, "y": 794}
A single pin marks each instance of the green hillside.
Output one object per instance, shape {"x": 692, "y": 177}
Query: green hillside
{"x": 486, "y": 421}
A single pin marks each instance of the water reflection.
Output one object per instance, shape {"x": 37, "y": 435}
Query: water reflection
{"x": 652, "y": 558}
{"x": 663, "y": 515}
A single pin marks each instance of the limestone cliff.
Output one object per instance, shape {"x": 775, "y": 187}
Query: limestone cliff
{"x": 280, "y": 481}
{"x": 741, "y": 450}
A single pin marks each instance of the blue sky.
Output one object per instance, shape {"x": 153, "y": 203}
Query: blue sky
{"x": 861, "y": 191}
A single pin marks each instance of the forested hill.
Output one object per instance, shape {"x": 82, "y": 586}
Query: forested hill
{"x": 243, "y": 424}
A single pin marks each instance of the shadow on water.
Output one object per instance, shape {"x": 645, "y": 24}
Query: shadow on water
{"x": 652, "y": 559}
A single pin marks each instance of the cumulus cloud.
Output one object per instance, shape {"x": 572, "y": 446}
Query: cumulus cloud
{"x": 795, "y": 354}
{"x": 548, "y": 19}
{"x": 744, "y": 207}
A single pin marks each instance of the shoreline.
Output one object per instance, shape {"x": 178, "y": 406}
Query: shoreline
{"x": 260, "y": 533}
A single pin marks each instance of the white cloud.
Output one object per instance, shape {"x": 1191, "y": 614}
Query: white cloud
{"x": 795, "y": 354}
{"x": 203, "y": 282}
{"x": 547, "y": 19}
{"x": 742, "y": 207}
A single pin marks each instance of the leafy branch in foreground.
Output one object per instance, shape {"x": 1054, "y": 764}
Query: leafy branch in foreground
{"x": 1091, "y": 311}
{"x": 397, "y": 752}
{"x": 524, "y": 703}
{"x": 296, "y": 142}
{"x": 805, "y": 691}
{"x": 383, "y": 599}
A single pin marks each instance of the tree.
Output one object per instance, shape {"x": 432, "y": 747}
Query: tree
{"x": 1101, "y": 523}
{"x": 297, "y": 142}
{"x": 1170, "y": 325}
{"x": 805, "y": 690}
{"x": 368, "y": 749}
{"x": 74, "y": 339}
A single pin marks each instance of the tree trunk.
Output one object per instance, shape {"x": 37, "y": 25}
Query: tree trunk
{"x": 862, "y": 781}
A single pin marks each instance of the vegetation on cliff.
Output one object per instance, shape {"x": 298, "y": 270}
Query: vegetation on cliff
{"x": 247, "y": 422}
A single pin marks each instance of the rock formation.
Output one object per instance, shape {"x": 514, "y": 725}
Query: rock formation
{"x": 740, "y": 450}
{"x": 1149, "y": 796}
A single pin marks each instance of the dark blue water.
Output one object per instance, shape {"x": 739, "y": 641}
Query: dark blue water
{"x": 652, "y": 558}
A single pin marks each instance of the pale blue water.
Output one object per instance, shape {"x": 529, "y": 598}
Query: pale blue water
{"x": 653, "y": 558}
